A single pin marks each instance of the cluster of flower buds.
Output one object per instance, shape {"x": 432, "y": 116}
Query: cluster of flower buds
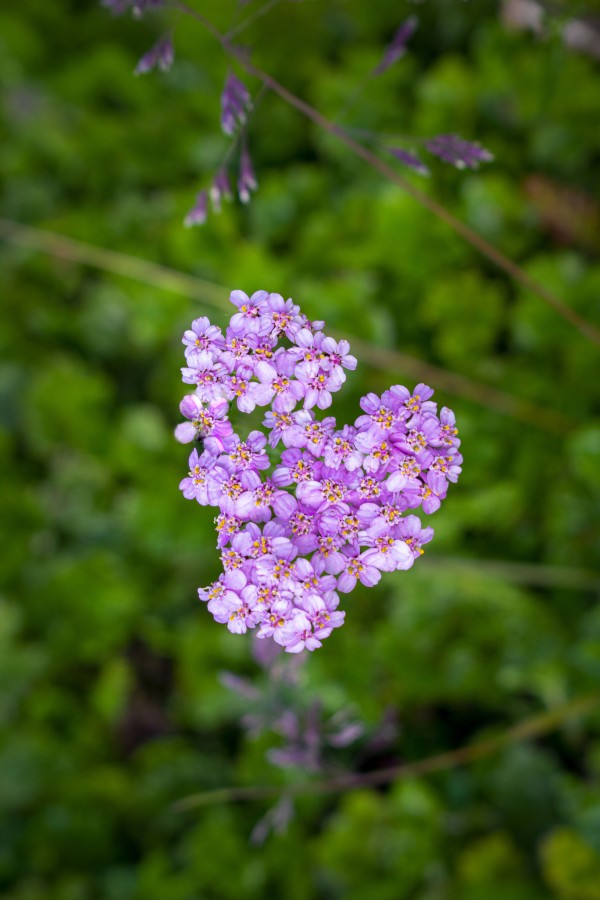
{"x": 450, "y": 148}
{"x": 336, "y": 507}
{"x": 159, "y": 56}
{"x": 235, "y": 102}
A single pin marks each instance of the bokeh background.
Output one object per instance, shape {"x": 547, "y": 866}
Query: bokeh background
{"x": 112, "y": 703}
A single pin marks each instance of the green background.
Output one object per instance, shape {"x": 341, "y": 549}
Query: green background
{"x": 111, "y": 706}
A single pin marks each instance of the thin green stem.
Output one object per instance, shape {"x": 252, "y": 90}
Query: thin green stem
{"x": 527, "y": 729}
{"x": 211, "y": 294}
{"x": 249, "y": 20}
{"x": 587, "y": 329}
{"x": 532, "y": 574}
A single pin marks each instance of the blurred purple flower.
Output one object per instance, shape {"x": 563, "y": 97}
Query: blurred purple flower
{"x": 240, "y": 686}
{"x": 276, "y": 820}
{"x": 397, "y": 46}
{"x": 235, "y": 102}
{"x": 197, "y": 215}
{"x": 138, "y": 7}
{"x": 409, "y": 159}
{"x": 220, "y": 188}
{"x": 246, "y": 181}
{"x": 161, "y": 55}
{"x": 458, "y": 152}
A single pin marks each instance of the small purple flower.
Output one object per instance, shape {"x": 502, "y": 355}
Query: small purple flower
{"x": 409, "y": 159}
{"x": 277, "y": 388}
{"x": 206, "y": 373}
{"x": 458, "y": 152}
{"x": 448, "y": 429}
{"x": 253, "y": 542}
{"x": 204, "y": 479}
{"x": 387, "y": 553}
{"x": 278, "y": 571}
{"x": 238, "y": 611}
{"x": 302, "y": 529}
{"x": 203, "y": 336}
{"x": 205, "y": 422}
{"x": 256, "y": 504}
{"x": 235, "y": 102}
{"x": 280, "y": 426}
{"x": 317, "y": 385}
{"x": 249, "y": 454}
{"x": 397, "y": 46}
{"x": 405, "y": 475}
{"x": 329, "y": 489}
{"x": 274, "y": 619}
{"x": 322, "y": 616}
{"x": 198, "y": 213}
{"x": 249, "y": 317}
{"x": 380, "y": 417}
{"x": 449, "y": 466}
{"x": 420, "y": 441}
{"x": 408, "y": 404}
{"x": 410, "y": 531}
{"x": 328, "y": 556}
{"x": 297, "y": 467}
{"x": 433, "y": 491}
{"x": 378, "y": 452}
{"x": 356, "y": 568}
{"x": 160, "y": 55}
{"x": 297, "y": 634}
{"x": 234, "y": 486}
{"x": 220, "y": 188}
{"x": 246, "y": 181}
{"x": 337, "y": 357}
{"x": 228, "y": 581}
{"x": 283, "y": 314}
{"x": 227, "y": 528}
{"x": 340, "y": 450}
{"x": 378, "y": 518}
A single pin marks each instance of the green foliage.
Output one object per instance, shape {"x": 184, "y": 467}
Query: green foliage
{"x": 110, "y": 701}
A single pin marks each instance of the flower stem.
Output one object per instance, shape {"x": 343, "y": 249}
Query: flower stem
{"x": 527, "y": 729}
{"x": 587, "y": 329}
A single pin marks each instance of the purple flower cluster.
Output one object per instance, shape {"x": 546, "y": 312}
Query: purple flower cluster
{"x": 235, "y": 105}
{"x": 235, "y": 102}
{"x": 337, "y": 506}
{"x": 450, "y": 148}
{"x": 160, "y": 56}
{"x": 397, "y": 46}
{"x": 458, "y": 152}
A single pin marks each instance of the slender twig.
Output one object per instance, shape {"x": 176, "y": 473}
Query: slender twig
{"x": 533, "y": 727}
{"x": 461, "y": 386}
{"x": 214, "y": 295}
{"x": 111, "y": 261}
{"x": 488, "y": 250}
{"x": 534, "y": 574}
{"x": 249, "y": 20}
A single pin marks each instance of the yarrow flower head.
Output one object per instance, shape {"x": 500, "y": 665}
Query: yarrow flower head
{"x": 338, "y": 506}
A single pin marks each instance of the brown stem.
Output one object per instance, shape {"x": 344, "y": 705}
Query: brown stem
{"x": 488, "y": 250}
{"x": 529, "y": 728}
